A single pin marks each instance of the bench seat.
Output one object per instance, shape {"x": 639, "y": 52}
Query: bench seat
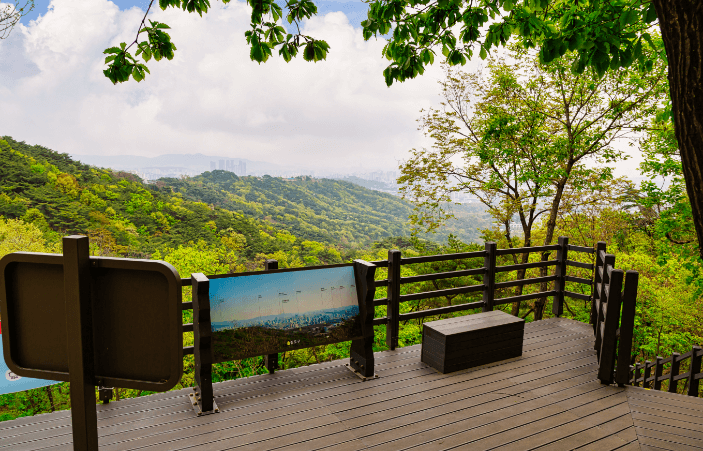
{"x": 455, "y": 344}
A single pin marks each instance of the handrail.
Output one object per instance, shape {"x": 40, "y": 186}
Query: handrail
{"x": 439, "y": 293}
{"x": 525, "y": 250}
{"x": 526, "y": 266}
{"x": 441, "y": 257}
{"x": 587, "y": 250}
{"x": 443, "y": 275}
{"x": 587, "y": 266}
{"x": 521, "y": 282}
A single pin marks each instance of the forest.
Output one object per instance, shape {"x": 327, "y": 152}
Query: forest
{"x": 534, "y": 142}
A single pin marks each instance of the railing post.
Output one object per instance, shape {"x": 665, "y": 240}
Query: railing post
{"x": 647, "y": 373}
{"x": 606, "y": 357}
{"x": 635, "y": 380}
{"x": 393, "y": 325}
{"x": 560, "y": 273}
{"x": 631, "y": 374}
{"x": 595, "y": 292}
{"x": 695, "y": 368}
{"x": 658, "y": 373}
{"x": 674, "y": 371}
{"x": 271, "y": 360}
{"x": 601, "y": 300}
{"x": 627, "y": 327}
{"x": 202, "y": 341}
{"x": 489, "y": 277}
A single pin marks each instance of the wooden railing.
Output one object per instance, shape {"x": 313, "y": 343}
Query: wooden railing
{"x": 613, "y": 332}
{"x": 674, "y": 375}
{"x": 487, "y": 287}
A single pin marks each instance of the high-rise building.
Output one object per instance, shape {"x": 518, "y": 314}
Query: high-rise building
{"x": 241, "y": 168}
{"x": 213, "y": 165}
{"x": 222, "y": 165}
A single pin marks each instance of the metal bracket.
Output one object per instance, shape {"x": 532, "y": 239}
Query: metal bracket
{"x": 105, "y": 394}
{"x": 358, "y": 374}
{"x": 194, "y": 397}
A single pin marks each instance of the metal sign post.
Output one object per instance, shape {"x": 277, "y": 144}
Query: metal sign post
{"x": 79, "y": 335}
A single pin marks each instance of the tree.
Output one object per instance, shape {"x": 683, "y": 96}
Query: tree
{"x": 603, "y": 35}
{"x": 525, "y": 132}
{"x": 10, "y": 15}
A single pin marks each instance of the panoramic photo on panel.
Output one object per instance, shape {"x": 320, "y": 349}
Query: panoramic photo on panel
{"x": 266, "y": 313}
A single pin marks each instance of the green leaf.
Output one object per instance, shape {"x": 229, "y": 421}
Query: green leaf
{"x": 650, "y": 14}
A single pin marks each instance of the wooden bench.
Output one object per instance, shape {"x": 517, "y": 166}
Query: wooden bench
{"x": 455, "y": 344}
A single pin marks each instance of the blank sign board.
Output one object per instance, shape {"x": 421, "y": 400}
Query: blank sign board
{"x": 136, "y": 316}
{"x": 265, "y": 313}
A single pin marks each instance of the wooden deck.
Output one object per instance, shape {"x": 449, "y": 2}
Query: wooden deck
{"x": 548, "y": 399}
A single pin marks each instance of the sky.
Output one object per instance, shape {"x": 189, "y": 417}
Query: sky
{"x": 247, "y": 297}
{"x": 211, "y": 98}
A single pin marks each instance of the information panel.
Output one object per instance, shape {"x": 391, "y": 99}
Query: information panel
{"x": 260, "y": 314}
{"x": 11, "y": 383}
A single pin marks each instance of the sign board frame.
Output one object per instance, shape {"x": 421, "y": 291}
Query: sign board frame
{"x": 218, "y": 337}
{"x": 37, "y": 327}
{"x": 361, "y": 352}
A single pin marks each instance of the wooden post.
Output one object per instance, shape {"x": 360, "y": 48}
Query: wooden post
{"x": 79, "y": 334}
{"x": 695, "y": 369}
{"x": 361, "y": 352}
{"x": 635, "y": 380}
{"x": 202, "y": 338}
{"x": 595, "y": 291}
{"x": 560, "y": 273}
{"x": 631, "y": 381}
{"x": 489, "y": 277}
{"x": 601, "y": 299}
{"x": 674, "y": 371}
{"x": 271, "y": 360}
{"x": 658, "y": 373}
{"x": 606, "y": 358}
{"x": 393, "y": 309}
{"x": 627, "y": 327}
{"x": 647, "y": 373}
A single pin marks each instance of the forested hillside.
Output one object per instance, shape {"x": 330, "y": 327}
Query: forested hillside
{"x": 323, "y": 210}
{"x": 322, "y": 219}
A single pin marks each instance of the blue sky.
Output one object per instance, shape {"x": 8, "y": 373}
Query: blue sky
{"x": 355, "y": 10}
{"x": 247, "y": 297}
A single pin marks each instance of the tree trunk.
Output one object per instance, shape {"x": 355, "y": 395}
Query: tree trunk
{"x": 681, "y": 24}
{"x": 551, "y": 225}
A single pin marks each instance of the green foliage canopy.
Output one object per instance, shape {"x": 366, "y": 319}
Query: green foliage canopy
{"x": 604, "y": 34}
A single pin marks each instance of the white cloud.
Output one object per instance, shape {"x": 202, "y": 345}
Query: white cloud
{"x": 211, "y": 98}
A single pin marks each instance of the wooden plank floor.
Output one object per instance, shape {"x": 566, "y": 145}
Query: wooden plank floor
{"x": 548, "y": 399}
